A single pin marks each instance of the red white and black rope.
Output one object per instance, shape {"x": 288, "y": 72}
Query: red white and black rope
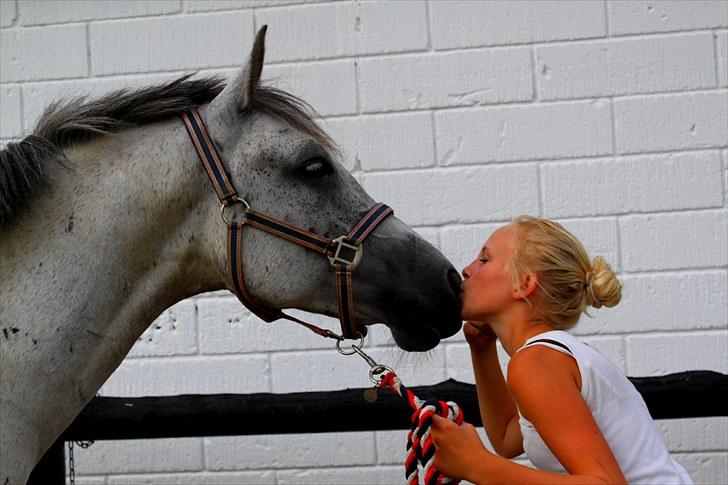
{"x": 420, "y": 448}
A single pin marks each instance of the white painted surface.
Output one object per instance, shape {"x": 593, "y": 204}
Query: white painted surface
{"x": 608, "y": 116}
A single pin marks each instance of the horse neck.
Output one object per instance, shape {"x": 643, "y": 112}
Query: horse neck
{"x": 89, "y": 267}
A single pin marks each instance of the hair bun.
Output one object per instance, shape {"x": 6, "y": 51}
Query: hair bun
{"x": 602, "y": 287}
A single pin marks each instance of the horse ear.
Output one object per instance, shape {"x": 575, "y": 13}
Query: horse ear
{"x": 239, "y": 92}
{"x": 252, "y": 70}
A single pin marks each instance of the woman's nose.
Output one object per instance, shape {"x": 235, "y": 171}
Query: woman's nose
{"x": 465, "y": 272}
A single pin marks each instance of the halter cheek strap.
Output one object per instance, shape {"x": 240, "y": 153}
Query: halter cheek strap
{"x": 344, "y": 253}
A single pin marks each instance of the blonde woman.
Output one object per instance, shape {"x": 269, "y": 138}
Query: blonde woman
{"x": 571, "y": 410}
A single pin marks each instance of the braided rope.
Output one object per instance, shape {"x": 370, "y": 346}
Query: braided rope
{"x": 419, "y": 441}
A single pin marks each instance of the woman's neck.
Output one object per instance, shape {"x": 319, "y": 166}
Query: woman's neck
{"x": 514, "y": 330}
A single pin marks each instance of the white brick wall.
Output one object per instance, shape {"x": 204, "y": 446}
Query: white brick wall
{"x": 610, "y": 116}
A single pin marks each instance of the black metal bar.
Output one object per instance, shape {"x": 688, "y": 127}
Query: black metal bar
{"x": 51, "y": 469}
{"x": 683, "y": 395}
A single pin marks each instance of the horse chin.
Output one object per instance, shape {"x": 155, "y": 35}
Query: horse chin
{"x": 422, "y": 340}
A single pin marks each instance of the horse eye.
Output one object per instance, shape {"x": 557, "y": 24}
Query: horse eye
{"x": 316, "y": 167}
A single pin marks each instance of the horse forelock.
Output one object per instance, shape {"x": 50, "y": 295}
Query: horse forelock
{"x": 293, "y": 111}
{"x": 25, "y": 166}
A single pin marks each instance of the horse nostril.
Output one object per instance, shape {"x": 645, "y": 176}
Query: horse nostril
{"x": 453, "y": 278}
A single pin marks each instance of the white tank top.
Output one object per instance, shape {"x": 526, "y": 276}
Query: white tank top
{"x": 620, "y": 412}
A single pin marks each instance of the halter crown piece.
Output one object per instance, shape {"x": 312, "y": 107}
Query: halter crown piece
{"x": 344, "y": 253}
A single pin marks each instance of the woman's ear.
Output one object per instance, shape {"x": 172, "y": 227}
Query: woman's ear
{"x": 528, "y": 283}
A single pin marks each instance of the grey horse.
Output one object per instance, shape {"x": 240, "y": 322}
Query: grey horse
{"x": 108, "y": 218}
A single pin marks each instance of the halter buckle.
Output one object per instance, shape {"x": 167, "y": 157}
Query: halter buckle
{"x": 346, "y": 253}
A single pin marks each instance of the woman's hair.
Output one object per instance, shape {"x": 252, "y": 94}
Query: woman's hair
{"x": 568, "y": 279}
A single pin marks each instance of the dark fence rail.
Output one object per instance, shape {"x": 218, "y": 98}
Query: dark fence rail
{"x": 683, "y": 395}
{"x": 689, "y": 394}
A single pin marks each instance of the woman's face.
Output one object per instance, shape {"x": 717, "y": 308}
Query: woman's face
{"x": 487, "y": 288}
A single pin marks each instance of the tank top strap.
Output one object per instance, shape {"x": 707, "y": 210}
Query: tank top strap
{"x": 549, "y": 342}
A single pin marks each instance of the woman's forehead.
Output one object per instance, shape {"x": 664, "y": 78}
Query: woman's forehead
{"x": 503, "y": 236}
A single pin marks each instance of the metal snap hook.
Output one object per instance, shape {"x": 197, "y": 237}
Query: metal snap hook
{"x": 376, "y": 373}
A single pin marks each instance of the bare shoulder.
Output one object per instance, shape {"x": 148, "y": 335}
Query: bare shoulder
{"x": 539, "y": 368}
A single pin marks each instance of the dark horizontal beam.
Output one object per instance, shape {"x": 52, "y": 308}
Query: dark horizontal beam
{"x": 683, "y": 395}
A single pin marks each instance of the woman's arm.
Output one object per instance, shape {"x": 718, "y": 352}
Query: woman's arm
{"x": 497, "y": 408}
{"x": 460, "y": 454}
{"x": 545, "y": 384}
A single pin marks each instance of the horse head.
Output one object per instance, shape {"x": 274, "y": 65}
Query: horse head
{"x": 283, "y": 164}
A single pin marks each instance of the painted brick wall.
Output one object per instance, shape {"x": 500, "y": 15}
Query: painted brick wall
{"x": 606, "y": 115}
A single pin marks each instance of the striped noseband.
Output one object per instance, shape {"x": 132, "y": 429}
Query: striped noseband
{"x": 344, "y": 253}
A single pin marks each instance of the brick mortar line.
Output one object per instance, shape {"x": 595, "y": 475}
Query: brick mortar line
{"x": 535, "y": 44}
{"x": 709, "y": 332}
{"x": 182, "y": 11}
{"x": 16, "y": 17}
{"x": 437, "y": 161}
{"x": 89, "y": 65}
{"x": 613, "y": 119}
{"x": 717, "y": 271}
{"x": 403, "y": 358}
{"x": 364, "y": 467}
{"x": 428, "y": 20}
{"x": 21, "y": 96}
{"x": 687, "y": 270}
{"x": 285, "y": 6}
{"x": 534, "y": 82}
{"x": 357, "y": 88}
{"x": 724, "y": 179}
{"x": 197, "y": 328}
{"x": 619, "y": 157}
{"x": 223, "y": 356}
{"x": 394, "y": 466}
{"x": 547, "y": 102}
{"x": 541, "y": 102}
{"x": 607, "y": 27}
{"x": 624, "y": 157}
{"x": 596, "y": 218}
{"x": 208, "y": 71}
{"x": 584, "y": 40}
{"x": 127, "y": 18}
{"x": 620, "y": 257}
{"x": 716, "y": 63}
{"x": 513, "y": 163}
{"x": 540, "y": 190}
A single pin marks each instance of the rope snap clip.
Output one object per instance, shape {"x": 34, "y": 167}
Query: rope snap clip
{"x": 376, "y": 371}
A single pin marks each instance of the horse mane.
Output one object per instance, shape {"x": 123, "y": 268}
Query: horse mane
{"x": 25, "y": 167}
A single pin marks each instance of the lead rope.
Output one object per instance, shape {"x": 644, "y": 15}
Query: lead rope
{"x": 420, "y": 448}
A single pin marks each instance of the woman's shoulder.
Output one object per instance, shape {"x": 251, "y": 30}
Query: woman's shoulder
{"x": 545, "y": 359}
{"x": 538, "y": 362}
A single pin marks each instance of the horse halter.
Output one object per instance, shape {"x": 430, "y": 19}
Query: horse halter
{"x": 344, "y": 253}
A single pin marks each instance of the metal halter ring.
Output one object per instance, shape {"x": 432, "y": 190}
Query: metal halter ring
{"x": 354, "y": 348}
{"x": 224, "y": 206}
